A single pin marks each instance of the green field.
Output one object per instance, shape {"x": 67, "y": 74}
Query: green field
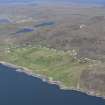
{"x": 59, "y": 65}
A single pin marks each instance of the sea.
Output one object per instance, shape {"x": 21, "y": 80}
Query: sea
{"x": 17, "y": 88}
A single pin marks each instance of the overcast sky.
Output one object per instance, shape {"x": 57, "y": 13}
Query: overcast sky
{"x": 75, "y": 1}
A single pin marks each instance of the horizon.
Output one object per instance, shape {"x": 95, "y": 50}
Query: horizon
{"x": 100, "y": 2}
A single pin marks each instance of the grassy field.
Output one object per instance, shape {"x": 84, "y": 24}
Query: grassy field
{"x": 59, "y": 65}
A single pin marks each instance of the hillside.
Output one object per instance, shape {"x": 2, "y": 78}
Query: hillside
{"x": 64, "y": 43}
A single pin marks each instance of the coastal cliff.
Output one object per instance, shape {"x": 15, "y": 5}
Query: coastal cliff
{"x": 60, "y": 68}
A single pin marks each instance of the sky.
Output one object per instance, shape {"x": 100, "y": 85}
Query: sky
{"x": 59, "y": 1}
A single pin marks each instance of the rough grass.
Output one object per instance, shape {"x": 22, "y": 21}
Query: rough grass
{"x": 59, "y": 65}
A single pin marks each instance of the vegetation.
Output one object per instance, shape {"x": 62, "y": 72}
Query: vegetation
{"x": 70, "y": 28}
{"x": 59, "y": 65}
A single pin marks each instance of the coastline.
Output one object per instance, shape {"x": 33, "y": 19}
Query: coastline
{"x": 47, "y": 79}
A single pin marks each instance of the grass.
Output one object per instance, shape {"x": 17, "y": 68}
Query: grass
{"x": 59, "y": 65}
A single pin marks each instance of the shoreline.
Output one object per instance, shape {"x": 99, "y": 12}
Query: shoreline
{"x": 47, "y": 79}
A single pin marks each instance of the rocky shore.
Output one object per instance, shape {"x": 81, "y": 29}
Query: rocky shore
{"x": 48, "y": 79}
